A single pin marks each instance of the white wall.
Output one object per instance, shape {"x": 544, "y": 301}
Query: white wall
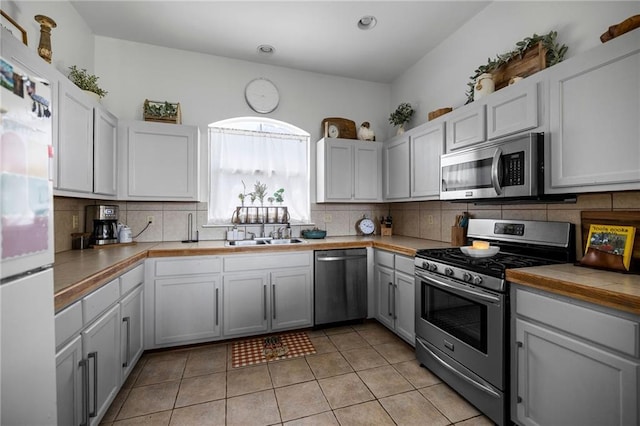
{"x": 440, "y": 78}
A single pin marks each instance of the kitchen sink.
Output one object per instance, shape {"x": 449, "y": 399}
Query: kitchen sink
{"x": 265, "y": 241}
{"x": 286, "y": 241}
{"x": 246, "y": 243}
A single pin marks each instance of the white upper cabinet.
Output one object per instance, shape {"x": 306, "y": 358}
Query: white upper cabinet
{"x": 105, "y": 141}
{"x": 513, "y": 109}
{"x": 466, "y": 126}
{"x": 594, "y": 125}
{"x": 348, "y": 170}
{"x": 396, "y": 168}
{"x": 158, "y": 161}
{"x": 427, "y": 144}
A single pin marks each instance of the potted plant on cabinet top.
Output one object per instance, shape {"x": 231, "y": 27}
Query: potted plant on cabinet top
{"x": 401, "y": 116}
{"x": 85, "y": 81}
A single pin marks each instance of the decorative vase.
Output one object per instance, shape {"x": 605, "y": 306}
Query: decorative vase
{"x": 484, "y": 85}
{"x": 44, "y": 48}
{"x": 93, "y": 95}
{"x": 400, "y": 130}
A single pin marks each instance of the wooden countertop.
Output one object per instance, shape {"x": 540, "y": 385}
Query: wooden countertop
{"x": 611, "y": 289}
{"x": 79, "y": 272}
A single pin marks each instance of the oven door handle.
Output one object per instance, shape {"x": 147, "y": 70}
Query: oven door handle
{"x": 478, "y": 295}
{"x": 495, "y": 179}
{"x": 486, "y": 388}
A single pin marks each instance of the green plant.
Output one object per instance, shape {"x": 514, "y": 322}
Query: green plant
{"x": 278, "y": 195}
{"x": 260, "y": 191}
{"x": 159, "y": 109}
{"x": 401, "y": 115}
{"x": 86, "y": 81}
{"x": 555, "y": 54}
{"x": 243, "y": 194}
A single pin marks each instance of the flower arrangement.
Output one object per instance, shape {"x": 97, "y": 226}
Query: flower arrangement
{"x": 86, "y": 81}
{"x": 401, "y": 115}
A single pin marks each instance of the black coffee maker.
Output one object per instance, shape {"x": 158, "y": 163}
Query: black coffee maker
{"x": 102, "y": 221}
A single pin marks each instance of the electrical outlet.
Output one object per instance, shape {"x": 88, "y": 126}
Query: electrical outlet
{"x": 150, "y": 219}
{"x": 430, "y": 219}
{"x": 327, "y": 218}
{"x": 74, "y": 221}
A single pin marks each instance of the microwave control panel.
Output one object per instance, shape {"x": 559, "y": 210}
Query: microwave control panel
{"x": 513, "y": 169}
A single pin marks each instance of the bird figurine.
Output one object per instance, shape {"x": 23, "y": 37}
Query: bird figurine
{"x": 366, "y": 134}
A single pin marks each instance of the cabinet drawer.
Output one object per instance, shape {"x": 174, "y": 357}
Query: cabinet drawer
{"x": 404, "y": 264}
{"x": 384, "y": 258}
{"x": 99, "y": 300}
{"x": 608, "y": 330}
{"x": 129, "y": 280}
{"x": 188, "y": 266}
{"x": 68, "y": 323}
{"x": 237, "y": 263}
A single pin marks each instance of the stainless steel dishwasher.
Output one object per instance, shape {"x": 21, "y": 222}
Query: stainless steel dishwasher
{"x": 340, "y": 286}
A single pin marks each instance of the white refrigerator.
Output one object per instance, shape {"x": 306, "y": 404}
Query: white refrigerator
{"x": 27, "y": 331}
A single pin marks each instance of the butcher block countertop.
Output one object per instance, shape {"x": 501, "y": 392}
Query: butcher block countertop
{"x": 611, "y": 289}
{"x": 79, "y": 272}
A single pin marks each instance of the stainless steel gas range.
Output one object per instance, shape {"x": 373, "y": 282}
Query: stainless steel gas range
{"x": 462, "y": 305}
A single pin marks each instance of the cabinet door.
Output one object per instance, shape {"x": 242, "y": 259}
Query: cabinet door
{"x": 338, "y": 171}
{"x": 367, "y": 171}
{"x": 426, "y": 148}
{"x": 466, "y": 127}
{"x": 383, "y": 279}
{"x": 291, "y": 299}
{"x": 396, "y": 169}
{"x": 513, "y": 109}
{"x": 161, "y": 161}
{"x": 186, "y": 309}
{"x": 69, "y": 384}
{"x": 101, "y": 346}
{"x": 105, "y": 139}
{"x": 405, "y": 306}
{"x": 131, "y": 309}
{"x": 561, "y": 380}
{"x": 75, "y": 139}
{"x": 594, "y": 110}
{"x": 245, "y": 304}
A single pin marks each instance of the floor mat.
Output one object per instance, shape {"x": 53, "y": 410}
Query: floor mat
{"x": 270, "y": 348}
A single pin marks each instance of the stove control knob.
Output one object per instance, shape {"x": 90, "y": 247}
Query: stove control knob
{"x": 433, "y": 267}
{"x": 425, "y": 265}
{"x": 448, "y": 272}
{"x": 466, "y": 276}
{"x": 477, "y": 279}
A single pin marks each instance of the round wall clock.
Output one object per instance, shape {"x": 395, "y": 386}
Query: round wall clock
{"x": 366, "y": 226}
{"x": 262, "y": 95}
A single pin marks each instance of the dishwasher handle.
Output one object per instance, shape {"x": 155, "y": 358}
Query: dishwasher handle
{"x": 338, "y": 258}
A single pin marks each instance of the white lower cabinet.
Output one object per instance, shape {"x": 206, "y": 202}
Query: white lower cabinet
{"x": 246, "y": 300}
{"x": 572, "y": 364}
{"x": 394, "y": 284}
{"x": 96, "y": 349}
{"x": 291, "y": 299}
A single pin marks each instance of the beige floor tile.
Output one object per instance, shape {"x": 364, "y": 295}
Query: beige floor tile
{"x": 289, "y": 372}
{"x": 322, "y": 419}
{"x": 301, "y": 400}
{"x": 149, "y": 399}
{"x": 412, "y": 408}
{"x": 363, "y": 358}
{"x": 377, "y": 335}
{"x": 116, "y": 405}
{"x": 418, "y": 376}
{"x": 330, "y": 331}
{"x": 384, "y": 381}
{"x": 315, "y": 333}
{"x": 367, "y": 414}
{"x": 211, "y": 413}
{"x": 160, "y": 370}
{"x": 347, "y": 389}
{"x": 329, "y": 364}
{"x": 196, "y": 390}
{"x": 477, "y": 421}
{"x": 323, "y": 344}
{"x": 346, "y": 341}
{"x": 395, "y": 352}
{"x": 156, "y": 419}
{"x": 246, "y": 380}
{"x": 206, "y": 361}
{"x": 259, "y": 408}
{"x": 135, "y": 373}
{"x": 449, "y": 402}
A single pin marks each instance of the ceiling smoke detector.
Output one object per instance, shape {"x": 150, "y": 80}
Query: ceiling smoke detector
{"x": 265, "y": 49}
{"x": 367, "y": 22}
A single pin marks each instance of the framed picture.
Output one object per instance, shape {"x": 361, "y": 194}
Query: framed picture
{"x": 16, "y": 30}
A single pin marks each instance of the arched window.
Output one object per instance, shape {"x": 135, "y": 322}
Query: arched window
{"x": 247, "y": 151}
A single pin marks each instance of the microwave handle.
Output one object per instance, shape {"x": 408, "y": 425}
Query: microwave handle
{"x": 495, "y": 180}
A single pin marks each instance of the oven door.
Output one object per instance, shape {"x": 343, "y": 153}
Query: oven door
{"x": 464, "y": 322}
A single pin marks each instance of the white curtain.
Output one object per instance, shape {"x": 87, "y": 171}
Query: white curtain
{"x": 277, "y": 160}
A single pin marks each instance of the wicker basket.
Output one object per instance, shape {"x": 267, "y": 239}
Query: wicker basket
{"x": 173, "y": 119}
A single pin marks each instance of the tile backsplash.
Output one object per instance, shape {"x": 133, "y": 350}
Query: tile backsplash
{"x": 427, "y": 219}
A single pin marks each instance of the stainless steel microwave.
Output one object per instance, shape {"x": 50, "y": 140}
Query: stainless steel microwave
{"x": 511, "y": 168}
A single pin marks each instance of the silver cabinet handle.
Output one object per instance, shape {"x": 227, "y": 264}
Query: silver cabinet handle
{"x": 395, "y": 289}
{"x": 217, "y": 307}
{"x": 264, "y": 302}
{"x": 94, "y": 355}
{"x": 273, "y": 299}
{"x": 127, "y": 320}
{"x": 84, "y": 363}
{"x": 389, "y": 287}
